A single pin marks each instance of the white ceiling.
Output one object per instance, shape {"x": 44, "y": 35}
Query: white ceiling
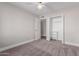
{"x": 50, "y": 7}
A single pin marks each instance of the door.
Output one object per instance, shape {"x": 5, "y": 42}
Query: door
{"x": 56, "y": 28}
{"x": 37, "y": 29}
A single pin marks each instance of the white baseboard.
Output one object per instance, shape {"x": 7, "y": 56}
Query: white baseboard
{"x": 15, "y": 45}
{"x": 74, "y": 44}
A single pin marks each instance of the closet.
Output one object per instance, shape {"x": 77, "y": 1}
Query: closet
{"x": 55, "y": 28}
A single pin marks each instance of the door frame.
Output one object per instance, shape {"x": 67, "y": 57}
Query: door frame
{"x": 48, "y": 28}
{"x": 37, "y": 29}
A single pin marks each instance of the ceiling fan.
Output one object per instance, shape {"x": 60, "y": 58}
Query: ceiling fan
{"x": 41, "y": 5}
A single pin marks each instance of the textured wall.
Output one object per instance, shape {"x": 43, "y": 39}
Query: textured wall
{"x": 16, "y": 25}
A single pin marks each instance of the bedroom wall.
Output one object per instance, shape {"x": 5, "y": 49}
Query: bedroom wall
{"x": 71, "y": 22}
{"x": 16, "y": 25}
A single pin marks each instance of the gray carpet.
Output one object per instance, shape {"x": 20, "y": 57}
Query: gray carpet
{"x": 43, "y": 48}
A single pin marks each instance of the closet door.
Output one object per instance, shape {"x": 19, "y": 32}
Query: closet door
{"x": 57, "y": 28}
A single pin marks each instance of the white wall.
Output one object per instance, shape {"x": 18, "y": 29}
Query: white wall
{"x": 16, "y": 25}
{"x": 71, "y": 24}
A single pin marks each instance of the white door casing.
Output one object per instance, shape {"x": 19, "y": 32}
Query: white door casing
{"x": 58, "y": 27}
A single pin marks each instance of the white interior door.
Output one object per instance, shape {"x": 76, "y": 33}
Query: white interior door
{"x": 56, "y": 28}
{"x": 37, "y": 29}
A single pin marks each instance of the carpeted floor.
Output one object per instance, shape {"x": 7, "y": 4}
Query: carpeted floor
{"x": 43, "y": 48}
